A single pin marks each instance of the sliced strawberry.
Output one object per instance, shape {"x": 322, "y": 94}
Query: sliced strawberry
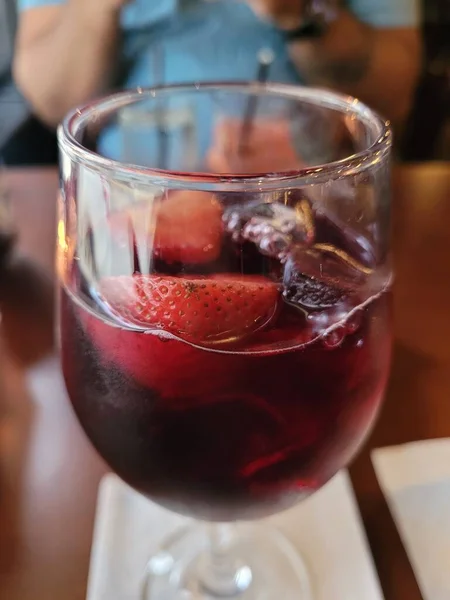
{"x": 189, "y": 228}
{"x": 171, "y": 368}
{"x": 186, "y": 227}
{"x": 225, "y": 308}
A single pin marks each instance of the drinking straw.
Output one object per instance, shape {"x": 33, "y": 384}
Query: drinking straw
{"x": 265, "y": 60}
{"x": 159, "y": 70}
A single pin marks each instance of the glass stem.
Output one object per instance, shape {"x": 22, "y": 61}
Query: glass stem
{"x": 224, "y": 574}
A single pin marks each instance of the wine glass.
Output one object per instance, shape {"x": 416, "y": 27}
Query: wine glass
{"x": 225, "y": 325}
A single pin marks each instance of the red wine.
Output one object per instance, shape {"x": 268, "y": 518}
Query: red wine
{"x": 240, "y": 367}
{"x": 226, "y": 435}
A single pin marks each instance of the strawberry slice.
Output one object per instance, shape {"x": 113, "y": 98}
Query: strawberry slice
{"x": 204, "y": 311}
{"x": 189, "y": 228}
{"x": 186, "y": 227}
{"x": 171, "y": 368}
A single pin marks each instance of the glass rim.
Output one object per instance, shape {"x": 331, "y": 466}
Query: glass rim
{"x": 322, "y": 173}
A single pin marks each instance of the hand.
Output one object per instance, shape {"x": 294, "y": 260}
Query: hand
{"x": 286, "y": 14}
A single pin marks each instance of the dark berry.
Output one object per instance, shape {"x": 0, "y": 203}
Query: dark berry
{"x": 312, "y": 294}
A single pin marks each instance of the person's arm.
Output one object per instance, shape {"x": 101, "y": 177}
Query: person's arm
{"x": 65, "y": 54}
{"x": 379, "y": 65}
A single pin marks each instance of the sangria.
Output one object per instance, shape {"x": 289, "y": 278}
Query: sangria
{"x": 225, "y": 334}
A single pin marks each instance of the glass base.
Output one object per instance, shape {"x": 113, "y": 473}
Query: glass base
{"x": 265, "y": 566}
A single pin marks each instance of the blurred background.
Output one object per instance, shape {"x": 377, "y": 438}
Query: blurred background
{"x": 24, "y": 140}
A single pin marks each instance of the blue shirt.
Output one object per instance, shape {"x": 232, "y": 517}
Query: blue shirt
{"x": 217, "y": 39}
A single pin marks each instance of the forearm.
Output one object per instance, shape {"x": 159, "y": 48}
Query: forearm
{"x": 378, "y": 66}
{"x": 70, "y": 63}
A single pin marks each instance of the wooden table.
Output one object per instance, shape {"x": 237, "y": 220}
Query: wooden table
{"x": 48, "y": 472}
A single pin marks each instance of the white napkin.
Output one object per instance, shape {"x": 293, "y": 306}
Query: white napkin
{"x": 415, "y": 479}
{"x": 128, "y": 528}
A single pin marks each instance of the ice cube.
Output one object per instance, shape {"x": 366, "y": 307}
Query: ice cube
{"x": 329, "y": 264}
{"x": 327, "y": 285}
{"x": 273, "y": 227}
{"x": 344, "y": 214}
{"x": 324, "y": 277}
{"x": 329, "y": 229}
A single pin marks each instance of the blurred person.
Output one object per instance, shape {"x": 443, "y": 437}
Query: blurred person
{"x": 69, "y": 51}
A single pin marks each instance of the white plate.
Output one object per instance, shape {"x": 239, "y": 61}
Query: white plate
{"x": 129, "y": 527}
